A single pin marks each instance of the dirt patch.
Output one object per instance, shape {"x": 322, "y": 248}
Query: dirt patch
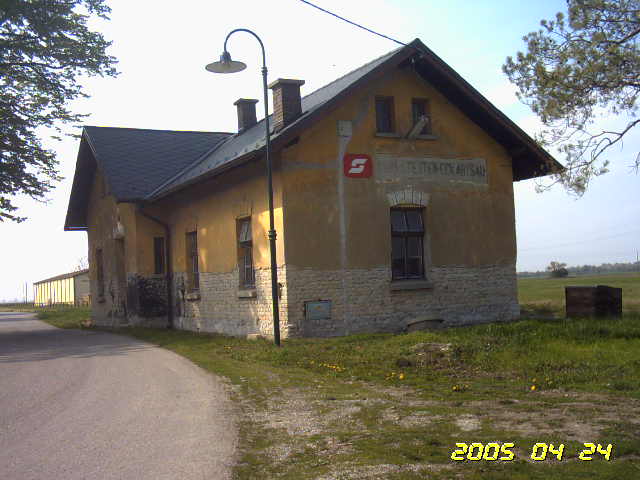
{"x": 468, "y": 423}
{"x": 582, "y": 419}
{"x": 381, "y": 471}
{"x": 304, "y": 426}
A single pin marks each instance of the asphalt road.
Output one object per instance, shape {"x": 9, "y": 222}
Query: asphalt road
{"x": 92, "y": 405}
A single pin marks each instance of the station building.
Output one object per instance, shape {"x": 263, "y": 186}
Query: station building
{"x": 393, "y": 197}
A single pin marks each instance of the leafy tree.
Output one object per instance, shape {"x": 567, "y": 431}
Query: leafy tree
{"x": 45, "y": 45}
{"x": 558, "y": 269}
{"x": 575, "y": 70}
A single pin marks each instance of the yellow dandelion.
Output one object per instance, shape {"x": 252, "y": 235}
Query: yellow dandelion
{"x": 401, "y": 376}
{"x": 533, "y": 387}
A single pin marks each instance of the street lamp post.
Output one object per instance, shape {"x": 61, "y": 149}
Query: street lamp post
{"x": 226, "y": 65}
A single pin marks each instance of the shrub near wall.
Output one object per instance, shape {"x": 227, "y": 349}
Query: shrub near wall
{"x": 147, "y": 296}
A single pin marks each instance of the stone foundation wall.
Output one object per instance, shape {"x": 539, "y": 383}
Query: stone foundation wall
{"x": 363, "y": 301}
{"x": 110, "y": 310}
{"x": 221, "y": 306}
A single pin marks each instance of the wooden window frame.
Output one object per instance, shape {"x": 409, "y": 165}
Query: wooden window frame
{"x": 159, "y": 255}
{"x": 426, "y": 107}
{"x": 245, "y": 253}
{"x": 193, "y": 260}
{"x": 403, "y": 235}
{"x": 390, "y": 103}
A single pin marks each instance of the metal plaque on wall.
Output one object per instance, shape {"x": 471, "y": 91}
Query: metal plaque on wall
{"x": 318, "y": 310}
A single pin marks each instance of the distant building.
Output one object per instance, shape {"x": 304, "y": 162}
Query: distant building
{"x": 66, "y": 289}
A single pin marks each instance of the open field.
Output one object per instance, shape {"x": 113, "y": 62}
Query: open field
{"x": 16, "y": 307}
{"x": 394, "y": 406}
{"x": 545, "y": 295}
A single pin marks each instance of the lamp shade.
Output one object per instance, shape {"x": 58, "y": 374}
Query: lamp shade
{"x": 225, "y": 65}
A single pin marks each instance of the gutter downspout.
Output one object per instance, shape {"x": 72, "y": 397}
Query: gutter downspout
{"x": 169, "y": 275}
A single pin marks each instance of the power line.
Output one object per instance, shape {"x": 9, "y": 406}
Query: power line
{"x": 354, "y": 23}
{"x": 590, "y": 240}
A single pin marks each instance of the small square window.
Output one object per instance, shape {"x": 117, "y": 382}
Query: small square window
{"x": 419, "y": 110}
{"x": 385, "y": 121}
{"x": 245, "y": 231}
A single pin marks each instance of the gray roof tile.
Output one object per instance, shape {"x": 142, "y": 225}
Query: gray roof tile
{"x": 138, "y": 161}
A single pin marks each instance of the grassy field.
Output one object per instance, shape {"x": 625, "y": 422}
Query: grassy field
{"x": 16, "y": 307}
{"x": 395, "y": 406}
{"x": 547, "y": 294}
{"x": 65, "y": 317}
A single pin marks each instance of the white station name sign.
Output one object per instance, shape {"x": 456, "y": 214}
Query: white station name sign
{"x": 469, "y": 170}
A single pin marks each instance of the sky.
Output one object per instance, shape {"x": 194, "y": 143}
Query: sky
{"x": 163, "y": 46}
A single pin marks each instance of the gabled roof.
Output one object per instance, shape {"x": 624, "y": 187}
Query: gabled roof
{"x": 63, "y": 276}
{"x": 134, "y": 162}
{"x": 529, "y": 159}
{"x": 145, "y": 165}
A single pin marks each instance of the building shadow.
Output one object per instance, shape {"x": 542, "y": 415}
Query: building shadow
{"x": 20, "y": 342}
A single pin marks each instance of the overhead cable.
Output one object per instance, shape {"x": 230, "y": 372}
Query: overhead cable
{"x": 354, "y": 23}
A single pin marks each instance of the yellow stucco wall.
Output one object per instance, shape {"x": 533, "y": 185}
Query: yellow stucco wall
{"x": 211, "y": 209}
{"x": 467, "y": 225}
{"x": 104, "y": 214}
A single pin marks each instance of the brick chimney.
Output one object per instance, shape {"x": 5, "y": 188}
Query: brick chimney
{"x": 286, "y": 101}
{"x": 246, "y": 113}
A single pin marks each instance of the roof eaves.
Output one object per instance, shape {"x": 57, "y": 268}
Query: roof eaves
{"x": 76, "y": 188}
{"x": 208, "y": 174}
{"x": 63, "y": 276}
{"x": 485, "y": 104}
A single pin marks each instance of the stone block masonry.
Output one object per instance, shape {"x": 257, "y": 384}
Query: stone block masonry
{"x": 221, "y": 306}
{"x": 362, "y": 300}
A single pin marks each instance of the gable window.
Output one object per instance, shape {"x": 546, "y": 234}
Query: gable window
{"x": 385, "y": 121}
{"x": 419, "y": 109}
{"x": 100, "y": 272}
{"x": 245, "y": 253}
{"x": 193, "y": 273}
{"x": 158, "y": 255}
{"x": 407, "y": 238}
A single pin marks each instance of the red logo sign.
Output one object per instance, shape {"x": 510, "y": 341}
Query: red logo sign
{"x": 357, "y": 165}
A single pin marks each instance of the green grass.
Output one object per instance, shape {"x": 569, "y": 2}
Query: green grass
{"x": 546, "y": 295}
{"x": 64, "y": 317}
{"x": 386, "y": 403}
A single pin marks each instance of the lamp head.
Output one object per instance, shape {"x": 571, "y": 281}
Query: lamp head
{"x": 225, "y": 65}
